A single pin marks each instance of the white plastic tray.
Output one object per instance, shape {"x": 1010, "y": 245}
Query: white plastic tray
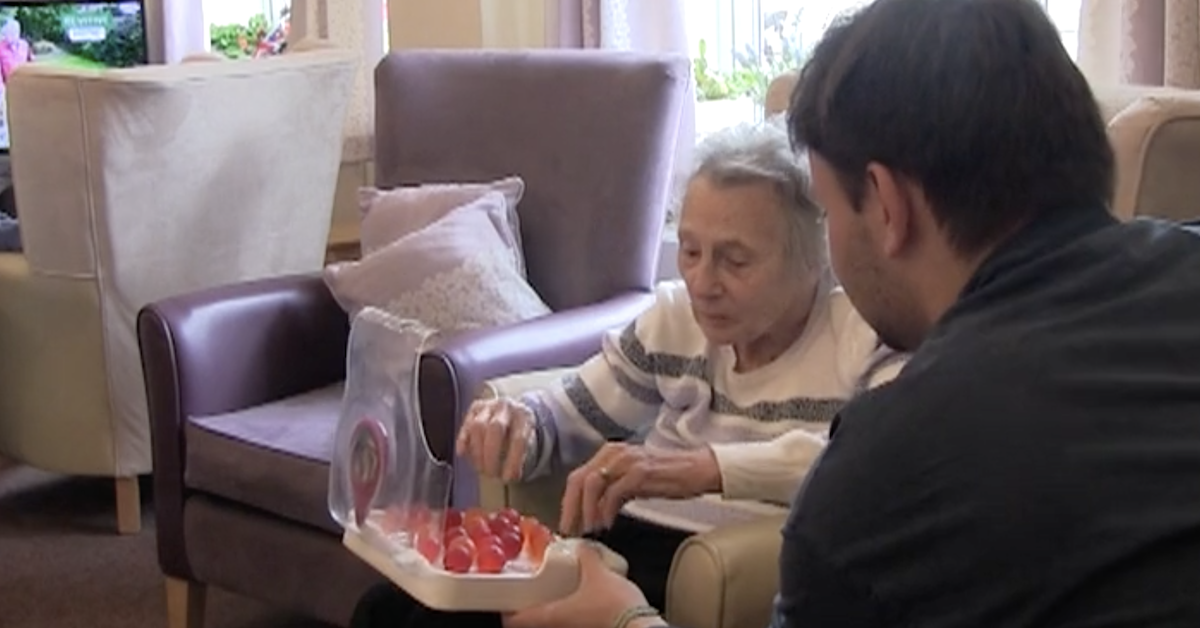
{"x": 441, "y": 590}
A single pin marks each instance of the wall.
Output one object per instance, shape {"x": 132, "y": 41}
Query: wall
{"x": 513, "y": 23}
{"x": 466, "y": 23}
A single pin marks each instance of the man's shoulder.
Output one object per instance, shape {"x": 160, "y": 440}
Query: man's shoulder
{"x": 1146, "y": 242}
{"x": 945, "y": 375}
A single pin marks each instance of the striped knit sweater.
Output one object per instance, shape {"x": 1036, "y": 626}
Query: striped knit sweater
{"x": 659, "y": 379}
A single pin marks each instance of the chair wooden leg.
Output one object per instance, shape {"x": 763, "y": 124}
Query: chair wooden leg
{"x": 185, "y": 603}
{"x": 129, "y": 506}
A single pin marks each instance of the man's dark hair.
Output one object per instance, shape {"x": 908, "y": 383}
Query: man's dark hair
{"x": 976, "y": 101}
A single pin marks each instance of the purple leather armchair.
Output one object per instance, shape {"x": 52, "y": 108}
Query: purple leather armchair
{"x": 240, "y": 453}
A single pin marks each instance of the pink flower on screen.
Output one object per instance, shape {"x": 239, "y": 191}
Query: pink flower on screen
{"x": 13, "y": 54}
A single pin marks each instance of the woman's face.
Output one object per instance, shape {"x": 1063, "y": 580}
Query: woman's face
{"x": 733, "y": 256}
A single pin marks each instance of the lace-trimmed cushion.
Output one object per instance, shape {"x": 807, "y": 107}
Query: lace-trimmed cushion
{"x": 453, "y": 275}
{"x": 388, "y": 215}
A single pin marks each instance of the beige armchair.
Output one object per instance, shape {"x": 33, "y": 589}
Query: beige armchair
{"x": 134, "y": 185}
{"x": 1155, "y": 134}
{"x": 726, "y": 578}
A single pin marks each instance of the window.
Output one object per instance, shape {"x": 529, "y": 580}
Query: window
{"x": 739, "y": 46}
{"x": 246, "y": 28}
{"x": 1065, "y": 15}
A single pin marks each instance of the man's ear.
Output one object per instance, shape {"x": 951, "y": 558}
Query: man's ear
{"x": 892, "y": 197}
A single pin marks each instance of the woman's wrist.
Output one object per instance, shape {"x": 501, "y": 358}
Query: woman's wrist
{"x": 705, "y": 471}
{"x": 535, "y": 437}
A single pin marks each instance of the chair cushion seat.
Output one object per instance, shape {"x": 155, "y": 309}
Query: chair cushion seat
{"x": 274, "y": 457}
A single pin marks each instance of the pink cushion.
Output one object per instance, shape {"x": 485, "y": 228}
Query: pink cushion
{"x": 388, "y": 215}
{"x": 455, "y": 274}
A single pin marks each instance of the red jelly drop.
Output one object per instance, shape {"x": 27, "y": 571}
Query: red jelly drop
{"x": 511, "y": 543}
{"x": 499, "y": 525}
{"x": 459, "y": 557}
{"x": 477, "y": 528}
{"x": 429, "y": 545}
{"x": 490, "y": 558}
{"x": 510, "y": 515}
{"x": 453, "y": 533}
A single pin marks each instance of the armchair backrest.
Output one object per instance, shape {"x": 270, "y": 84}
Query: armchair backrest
{"x": 592, "y": 133}
{"x": 174, "y": 178}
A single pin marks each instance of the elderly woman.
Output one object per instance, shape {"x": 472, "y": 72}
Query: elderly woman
{"x": 725, "y": 385}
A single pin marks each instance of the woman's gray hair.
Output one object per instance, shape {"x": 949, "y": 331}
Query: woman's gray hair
{"x": 763, "y": 153}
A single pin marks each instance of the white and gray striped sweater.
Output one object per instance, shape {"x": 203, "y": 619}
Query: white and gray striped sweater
{"x": 661, "y": 380}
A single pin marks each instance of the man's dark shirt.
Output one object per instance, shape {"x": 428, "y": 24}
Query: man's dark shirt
{"x": 1037, "y": 463}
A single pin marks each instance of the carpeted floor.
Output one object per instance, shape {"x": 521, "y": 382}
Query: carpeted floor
{"x": 62, "y": 565}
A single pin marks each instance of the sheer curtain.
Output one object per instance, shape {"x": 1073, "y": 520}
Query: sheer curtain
{"x": 1145, "y": 42}
{"x": 617, "y": 24}
{"x": 184, "y": 29}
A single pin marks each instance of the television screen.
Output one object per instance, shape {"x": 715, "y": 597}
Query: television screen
{"x": 71, "y": 34}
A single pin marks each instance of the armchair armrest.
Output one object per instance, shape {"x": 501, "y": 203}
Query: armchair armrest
{"x": 452, "y": 373}
{"x": 223, "y": 349}
{"x": 726, "y": 578}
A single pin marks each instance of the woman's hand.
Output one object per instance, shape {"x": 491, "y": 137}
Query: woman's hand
{"x": 599, "y": 601}
{"x": 495, "y": 436}
{"x": 620, "y": 472}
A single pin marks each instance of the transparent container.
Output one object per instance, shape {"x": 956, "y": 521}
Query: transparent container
{"x": 391, "y": 495}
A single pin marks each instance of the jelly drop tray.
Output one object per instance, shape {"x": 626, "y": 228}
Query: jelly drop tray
{"x": 391, "y": 495}
{"x": 519, "y": 587}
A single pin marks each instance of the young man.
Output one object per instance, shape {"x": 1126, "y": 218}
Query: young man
{"x": 1037, "y": 463}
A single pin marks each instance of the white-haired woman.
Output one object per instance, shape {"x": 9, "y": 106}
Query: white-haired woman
{"x": 725, "y": 385}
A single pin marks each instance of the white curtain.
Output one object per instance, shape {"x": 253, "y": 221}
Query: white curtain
{"x": 617, "y": 24}
{"x": 184, "y": 29}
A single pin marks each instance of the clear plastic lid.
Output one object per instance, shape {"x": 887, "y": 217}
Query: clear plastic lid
{"x": 382, "y": 469}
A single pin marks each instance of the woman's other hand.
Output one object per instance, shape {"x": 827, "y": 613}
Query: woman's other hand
{"x": 495, "y": 436}
{"x": 599, "y": 601}
{"x": 620, "y": 472}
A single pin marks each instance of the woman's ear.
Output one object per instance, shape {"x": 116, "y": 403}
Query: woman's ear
{"x": 892, "y": 212}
